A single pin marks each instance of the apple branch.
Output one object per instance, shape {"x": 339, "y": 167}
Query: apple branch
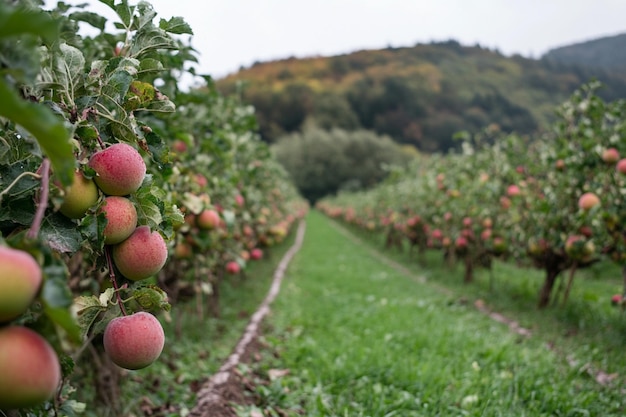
{"x": 42, "y": 204}
{"x": 120, "y": 302}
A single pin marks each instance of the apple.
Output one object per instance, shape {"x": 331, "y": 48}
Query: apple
{"x": 499, "y": 244}
{"x": 142, "y": 255}
{"x": 256, "y": 253}
{"x": 120, "y": 169}
{"x": 461, "y": 242}
{"x": 30, "y": 368}
{"x": 121, "y": 215}
{"x": 183, "y": 250}
{"x": 513, "y": 190}
{"x": 208, "y": 219}
{"x": 616, "y": 299}
{"x": 610, "y": 155}
{"x": 20, "y": 279}
{"x": 233, "y": 268}
{"x": 179, "y": 146}
{"x": 621, "y": 166}
{"x": 559, "y": 165}
{"x": 588, "y": 201}
{"x": 79, "y": 196}
{"x": 239, "y": 200}
{"x": 134, "y": 341}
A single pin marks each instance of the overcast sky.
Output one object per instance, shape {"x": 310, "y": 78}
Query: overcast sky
{"x": 233, "y": 33}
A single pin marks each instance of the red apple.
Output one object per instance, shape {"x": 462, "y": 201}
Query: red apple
{"x": 20, "y": 279}
{"x": 621, "y": 166}
{"x": 30, "y": 368}
{"x": 120, "y": 169}
{"x": 588, "y": 201}
{"x": 135, "y": 341}
{"x": 208, "y": 219}
{"x": 142, "y": 255}
{"x": 616, "y": 299}
{"x": 121, "y": 218}
{"x": 256, "y": 253}
{"x": 233, "y": 268}
{"x": 610, "y": 155}
{"x": 513, "y": 190}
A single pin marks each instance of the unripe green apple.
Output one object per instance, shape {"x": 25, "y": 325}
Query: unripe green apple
{"x": 142, "y": 255}
{"x": 20, "y": 279}
{"x": 135, "y": 341}
{"x": 79, "y": 196}
{"x": 30, "y": 368}
{"x": 120, "y": 169}
{"x": 122, "y": 219}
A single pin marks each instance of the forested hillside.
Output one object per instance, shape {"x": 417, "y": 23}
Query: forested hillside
{"x": 608, "y": 53}
{"x": 418, "y": 95}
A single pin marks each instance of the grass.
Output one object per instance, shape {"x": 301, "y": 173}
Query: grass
{"x": 361, "y": 338}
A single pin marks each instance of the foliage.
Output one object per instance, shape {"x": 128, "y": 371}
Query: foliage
{"x": 64, "y": 97}
{"x": 517, "y": 198}
{"x": 418, "y": 95}
{"x": 322, "y": 162}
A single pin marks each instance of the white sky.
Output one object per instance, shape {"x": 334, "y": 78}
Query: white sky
{"x": 232, "y": 33}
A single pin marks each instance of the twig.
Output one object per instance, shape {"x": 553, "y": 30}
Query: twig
{"x": 120, "y": 303}
{"x": 42, "y": 204}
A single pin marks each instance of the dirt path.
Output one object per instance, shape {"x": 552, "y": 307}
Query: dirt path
{"x": 215, "y": 396}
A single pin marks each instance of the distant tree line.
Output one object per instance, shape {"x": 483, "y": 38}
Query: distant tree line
{"x": 419, "y": 96}
{"x": 322, "y": 162}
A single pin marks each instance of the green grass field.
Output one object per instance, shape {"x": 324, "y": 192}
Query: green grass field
{"x": 361, "y": 338}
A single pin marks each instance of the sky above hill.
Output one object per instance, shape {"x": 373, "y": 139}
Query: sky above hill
{"x": 229, "y": 34}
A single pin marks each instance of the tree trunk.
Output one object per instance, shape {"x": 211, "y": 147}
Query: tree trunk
{"x": 546, "y": 290}
{"x": 107, "y": 378}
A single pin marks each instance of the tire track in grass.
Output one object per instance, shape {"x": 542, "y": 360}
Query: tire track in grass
{"x": 514, "y": 326}
{"x": 211, "y": 396}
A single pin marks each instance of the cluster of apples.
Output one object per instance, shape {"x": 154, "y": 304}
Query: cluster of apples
{"x": 30, "y": 367}
{"x": 134, "y": 341}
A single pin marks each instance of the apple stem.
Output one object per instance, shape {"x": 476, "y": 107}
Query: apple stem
{"x": 120, "y": 302}
{"x": 42, "y": 204}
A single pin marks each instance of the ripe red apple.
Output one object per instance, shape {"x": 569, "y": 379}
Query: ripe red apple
{"x": 239, "y": 200}
{"x": 513, "y": 190}
{"x": 621, "y": 166}
{"x": 499, "y": 244}
{"x": 616, "y": 299}
{"x": 467, "y": 221}
{"x": 179, "y": 146}
{"x": 142, "y": 255}
{"x": 461, "y": 242}
{"x": 79, "y": 197}
{"x": 122, "y": 219}
{"x": 588, "y": 201}
{"x": 233, "y": 268}
{"x": 30, "y": 368}
{"x": 183, "y": 250}
{"x": 20, "y": 279}
{"x": 208, "y": 219}
{"x": 135, "y": 341}
{"x": 120, "y": 169}
{"x": 610, "y": 155}
{"x": 256, "y": 254}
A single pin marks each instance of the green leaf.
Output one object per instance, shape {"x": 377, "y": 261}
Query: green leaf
{"x": 15, "y": 22}
{"x": 63, "y": 318}
{"x": 125, "y": 13}
{"x": 49, "y": 131}
{"x": 91, "y": 18}
{"x": 69, "y": 68}
{"x": 60, "y": 234}
{"x": 176, "y": 25}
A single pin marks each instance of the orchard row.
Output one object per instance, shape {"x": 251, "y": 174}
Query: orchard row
{"x": 120, "y": 195}
{"x": 556, "y": 201}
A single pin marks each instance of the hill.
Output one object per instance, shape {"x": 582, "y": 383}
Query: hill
{"x": 608, "y": 53}
{"x": 418, "y": 95}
